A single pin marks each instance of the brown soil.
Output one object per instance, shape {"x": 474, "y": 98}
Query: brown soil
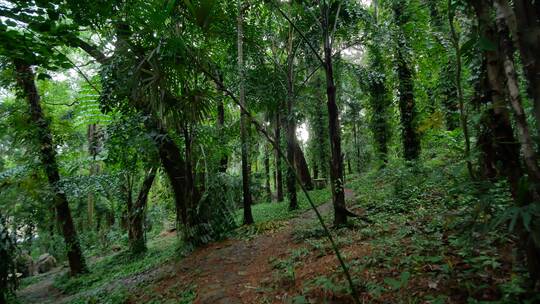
{"x": 239, "y": 271}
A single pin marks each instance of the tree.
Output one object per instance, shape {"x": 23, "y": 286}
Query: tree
{"x": 248, "y": 217}
{"x": 26, "y": 81}
{"x": 407, "y": 109}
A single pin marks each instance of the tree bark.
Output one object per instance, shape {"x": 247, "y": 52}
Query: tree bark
{"x": 223, "y": 162}
{"x": 301, "y": 166}
{"x": 279, "y": 172}
{"x": 244, "y": 124}
{"x": 291, "y": 126}
{"x": 336, "y": 165}
{"x": 26, "y": 82}
{"x": 507, "y": 53}
{"x": 496, "y": 69}
{"x": 462, "y": 113}
{"x": 173, "y": 165}
{"x": 136, "y": 211}
{"x": 528, "y": 34}
{"x": 267, "y": 173}
{"x": 410, "y": 138}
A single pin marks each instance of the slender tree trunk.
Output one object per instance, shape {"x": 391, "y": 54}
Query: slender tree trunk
{"x": 459, "y": 87}
{"x": 267, "y": 173}
{"x": 336, "y": 166}
{"x": 321, "y": 137}
{"x": 291, "y": 126}
{"x": 221, "y": 124}
{"x": 356, "y": 148}
{"x": 244, "y": 124}
{"x": 137, "y": 241}
{"x": 94, "y": 148}
{"x": 279, "y": 174}
{"x": 26, "y": 82}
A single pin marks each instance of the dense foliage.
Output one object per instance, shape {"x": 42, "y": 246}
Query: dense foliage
{"x": 124, "y": 123}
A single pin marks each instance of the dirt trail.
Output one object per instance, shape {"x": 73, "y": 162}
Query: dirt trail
{"x": 233, "y": 271}
{"x": 227, "y": 272}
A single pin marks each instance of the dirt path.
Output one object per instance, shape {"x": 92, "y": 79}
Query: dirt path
{"x": 233, "y": 271}
{"x": 227, "y": 272}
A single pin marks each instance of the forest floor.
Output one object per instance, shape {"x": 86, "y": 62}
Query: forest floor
{"x": 237, "y": 270}
{"x": 427, "y": 241}
{"x": 230, "y": 271}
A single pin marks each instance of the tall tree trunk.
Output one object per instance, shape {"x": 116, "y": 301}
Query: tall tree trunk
{"x": 94, "y": 147}
{"x": 223, "y": 161}
{"x": 379, "y": 102}
{"x": 244, "y": 124}
{"x": 496, "y": 69}
{"x": 507, "y": 53}
{"x": 528, "y": 34}
{"x": 410, "y": 138}
{"x": 26, "y": 82}
{"x": 462, "y": 113}
{"x": 336, "y": 166}
{"x": 137, "y": 241}
{"x": 279, "y": 172}
{"x": 320, "y": 137}
{"x": 291, "y": 126}
{"x": 267, "y": 173}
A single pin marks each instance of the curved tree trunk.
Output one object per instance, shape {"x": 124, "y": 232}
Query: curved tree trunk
{"x": 25, "y": 80}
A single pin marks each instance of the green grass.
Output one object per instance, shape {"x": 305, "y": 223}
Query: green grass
{"x": 116, "y": 267}
{"x": 273, "y": 211}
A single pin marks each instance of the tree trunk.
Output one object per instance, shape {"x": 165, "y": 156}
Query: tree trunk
{"x": 221, "y": 124}
{"x": 173, "y": 165}
{"x": 410, "y": 138}
{"x": 301, "y": 166}
{"x": 380, "y": 102}
{"x": 279, "y": 172}
{"x": 496, "y": 69}
{"x": 137, "y": 242}
{"x": 291, "y": 126}
{"x": 267, "y": 173}
{"x": 507, "y": 53}
{"x": 320, "y": 137}
{"x": 528, "y": 34}
{"x": 357, "y": 148}
{"x": 462, "y": 113}
{"x": 336, "y": 165}
{"x": 26, "y": 82}
{"x": 94, "y": 147}
{"x": 244, "y": 124}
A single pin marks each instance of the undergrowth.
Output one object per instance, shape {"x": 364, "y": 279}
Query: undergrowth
{"x": 434, "y": 237}
{"x": 104, "y": 283}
